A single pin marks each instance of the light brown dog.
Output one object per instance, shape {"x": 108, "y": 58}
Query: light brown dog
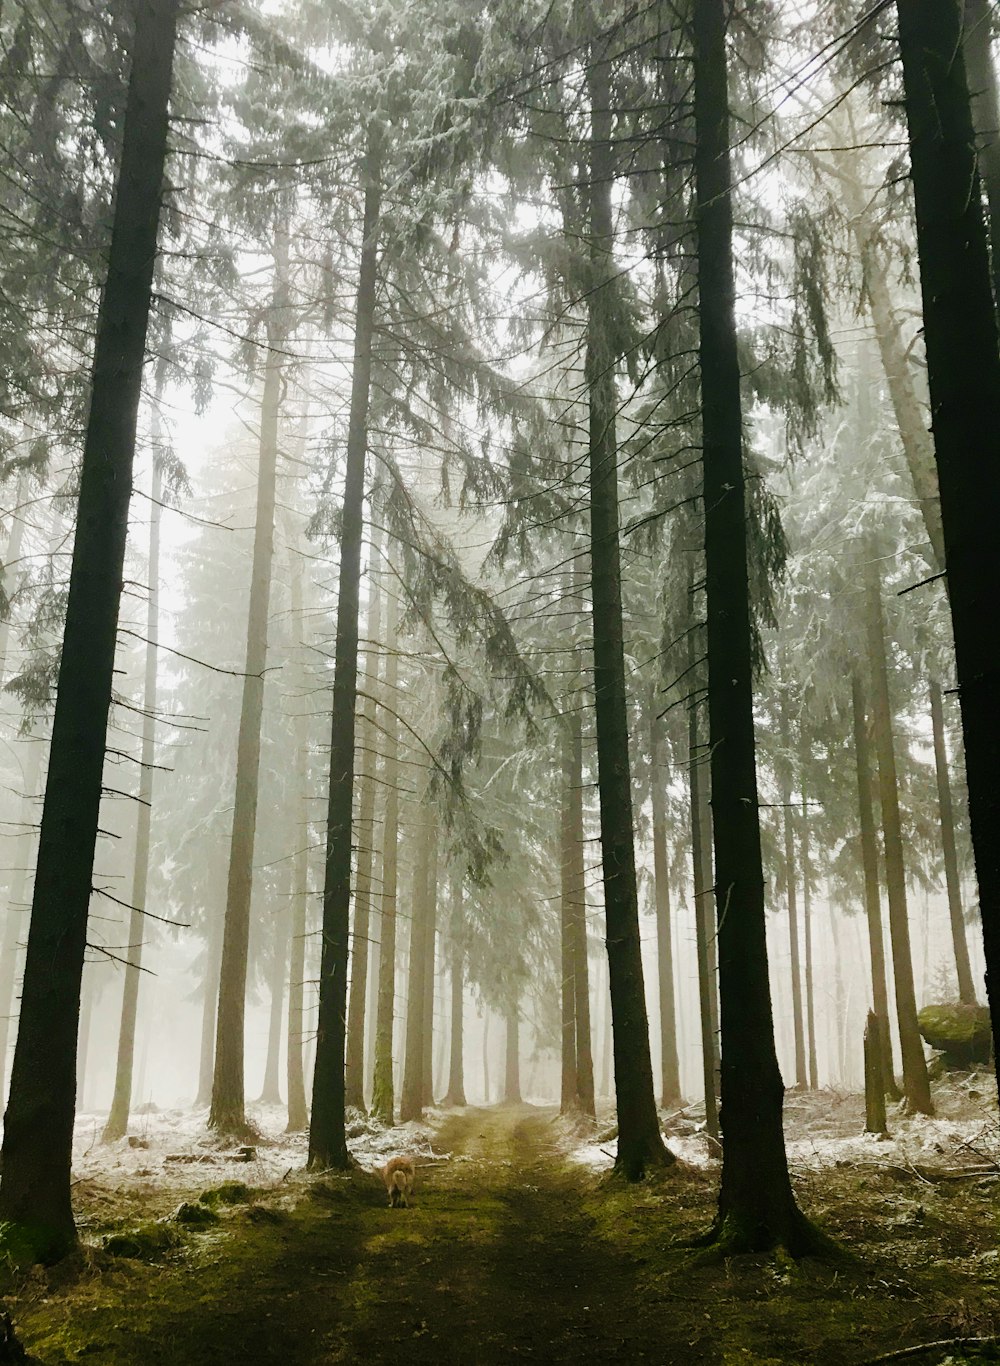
{"x": 398, "y": 1175}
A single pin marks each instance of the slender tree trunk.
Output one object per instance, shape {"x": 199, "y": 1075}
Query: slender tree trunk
{"x": 757, "y": 1209}
{"x": 15, "y": 924}
{"x": 83, "y": 1051}
{"x": 213, "y": 959}
{"x": 807, "y": 943}
{"x": 38, "y": 1128}
{"x": 327, "y": 1137}
{"x": 916, "y": 1087}
{"x": 411, "y": 1095}
{"x": 382, "y": 1083}
{"x": 429, "y": 976}
{"x": 118, "y": 1116}
{"x": 793, "y": 938}
{"x": 982, "y": 78}
{"x": 456, "y": 1061}
{"x": 298, "y": 1110}
{"x": 512, "y": 1054}
{"x": 670, "y": 1079}
{"x": 270, "y": 1093}
{"x": 12, "y": 555}
{"x": 869, "y": 866}
{"x": 701, "y": 859}
{"x": 963, "y": 967}
{"x": 568, "y": 834}
{"x": 639, "y": 1142}
{"x": 578, "y": 926}
{"x": 486, "y": 1057}
{"x": 354, "y": 1072}
{"x": 963, "y": 370}
{"x": 228, "y": 1109}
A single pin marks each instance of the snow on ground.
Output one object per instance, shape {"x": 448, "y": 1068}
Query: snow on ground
{"x": 171, "y": 1155}
{"x": 826, "y": 1129}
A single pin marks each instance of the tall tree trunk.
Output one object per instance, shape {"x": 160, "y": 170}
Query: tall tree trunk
{"x": 12, "y": 555}
{"x": 795, "y": 965}
{"x": 977, "y": 42}
{"x": 639, "y": 1142}
{"x": 916, "y": 1087}
{"x": 298, "y": 1110}
{"x": 578, "y": 926}
{"x": 963, "y": 967}
{"x": 213, "y": 959}
{"x": 270, "y": 1092}
{"x": 456, "y": 1061}
{"x": 701, "y": 860}
{"x": 757, "y": 1208}
{"x": 568, "y": 892}
{"x": 38, "y": 1128}
{"x": 429, "y": 976}
{"x": 869, "y": 868}
{"x": 16, "y": 923}
{"x": 486, "y": 1057}
{"x": 963, "y": 371}
{"x": 228, "y": 1110}
{"x": 411, "y": 1104}
{"x": 118, "y": 1116}
{"x": 354, "y": 1069}
{"x": 806, "y": 863}
{"x": 670, "y": 1078}
{"x": 382, "y": 1082}
{"x": 512, "y": 1054}
{"x": 327, "y": 1137}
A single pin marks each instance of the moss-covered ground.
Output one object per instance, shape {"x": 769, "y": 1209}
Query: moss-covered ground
{"x": 512, "y": 1253}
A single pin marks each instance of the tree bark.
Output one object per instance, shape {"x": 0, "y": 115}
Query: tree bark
{"x": 702, "y": 879}
{"x": 382, "y": 1083}
{"x": 639, "y": 1142}
{"x": 670, "y": 1077}
{"x": 981, "y": 74}
{"x": 916, "y": 1087}
{"x": 298, "y": 1109}
{"x": 213, "y": 958}
{"x": 807, "y": 942}
{"x": 16, "y": 922}
{"x": 757, "y": 1208}
{"x": 38, "y": 1129}
{"x": 869, "y": 867}
{"x": 327, "y": 1136}
{"x": 963, "y": 967}
{"x": 411, "y": 1102}
{"x": 270, "y": 1092}
{"x": 569, "y": 892}
{"x": 874, "y": 1082}
{"x": 429, "y": 978}
{"x": 118, "y": 1116}
{"x": 456, "y": 1060}
{"x": 795, "y": 965}
{"x": 512, "y": 1054}
{"x": 963, "y": 370}
{"x": 354, "y": 1070}
{"x": 228, "y": 1109}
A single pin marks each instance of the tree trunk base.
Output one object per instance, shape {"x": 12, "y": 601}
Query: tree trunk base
{"x": 635, "y": 1163}
{"x": 733, "y": 1235}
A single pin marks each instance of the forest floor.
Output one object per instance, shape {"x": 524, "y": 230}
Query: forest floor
{"x": 516, "y": 1248}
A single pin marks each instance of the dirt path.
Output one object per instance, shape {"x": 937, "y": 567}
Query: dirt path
{"x": 495, "y": 1262}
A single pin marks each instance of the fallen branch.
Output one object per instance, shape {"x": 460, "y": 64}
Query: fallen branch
{"x": 946, "y": 1344}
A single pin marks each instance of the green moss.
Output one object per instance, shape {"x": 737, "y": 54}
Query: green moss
{"x": 195, "y": 1216}
{"x": 962, "y": 1032}
{"x": 146, "y": 1242}
{"x": 229, "y": 1193}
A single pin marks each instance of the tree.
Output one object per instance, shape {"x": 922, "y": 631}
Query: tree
{"x": 327, "y": 1139}
{"x": 757, "y": 1209}
{"x": 38, "y": 1130}
{"x": 640, "y": 1145}
{"x": 963, "y": 373}
{"x": 227, "y": 1112}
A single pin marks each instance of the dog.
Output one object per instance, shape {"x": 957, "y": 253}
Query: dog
{"x": 398, "y": 1175}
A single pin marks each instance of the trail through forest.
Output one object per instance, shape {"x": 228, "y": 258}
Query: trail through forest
{"x": 511, "y": 1251}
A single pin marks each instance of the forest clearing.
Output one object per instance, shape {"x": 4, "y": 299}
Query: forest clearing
{"x": 499, "y": 671}
{"x": 517, "y": 1249}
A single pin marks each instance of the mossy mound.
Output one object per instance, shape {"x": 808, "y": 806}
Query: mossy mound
{"x": 962, "y": 1033}
{"x": 195, "y": 1216}
{"x": 146, "y": 1243}
{"x": 229, "y": 1193}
